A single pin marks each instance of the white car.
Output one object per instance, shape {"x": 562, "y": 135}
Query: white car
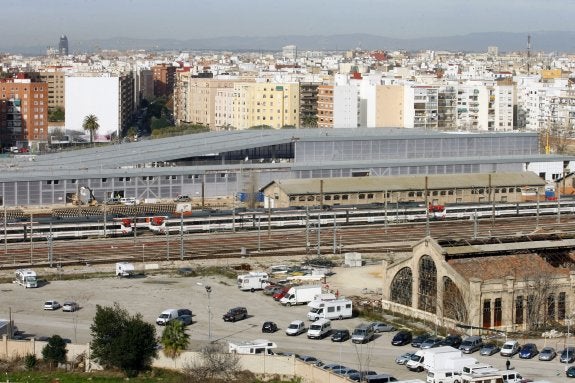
{"x": 70, "y": 306}
{"x": 51, "y": 305}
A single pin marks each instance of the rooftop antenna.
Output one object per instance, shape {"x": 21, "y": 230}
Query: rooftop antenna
{"x": 528, "y": 53}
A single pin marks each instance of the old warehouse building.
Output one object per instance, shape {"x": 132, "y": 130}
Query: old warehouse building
{"x": 508, "y": 284}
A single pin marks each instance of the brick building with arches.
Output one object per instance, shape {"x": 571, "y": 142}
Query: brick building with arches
{"x": 511, "y": 284}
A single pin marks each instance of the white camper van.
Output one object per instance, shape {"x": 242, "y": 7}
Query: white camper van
{"x": 336, "y": 309}
{"x": 26, "y": 278}
{"x": 253, "y": 281}
{"x": 258, "y": 346}
{"x": 124, "y": 269}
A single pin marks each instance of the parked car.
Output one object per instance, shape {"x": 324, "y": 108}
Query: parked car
{"x": 509, "y": 348}
{"x": 235, "y": 314}
{"x": 431, "y": 342}
{"x": 185, "y": 319}
{"x": 489, "y": 349}
{"x": 271, "y": 289}
{"x": 51, "y": 305}
{"x": 547, "y": 353}
{"x": 570, "y": 372}
{"x": 403, "y": 358}
{"x": 70, "y": 306}
{"x": 360, "y": 375}
{"x": 382, "y": 327}
{"x": 402, "y": 338}
{"x": 309, "y": 359}
{"x": 567, "y": 355}
{"x": 418, "y": 340}
{"x": 452, "y": 340}
{"x": 528, "y": 351}
{"x": 340, "y": 335}
{"x": 344, "y": 371}
{"x": 295, "y": 328}
{"x": 333, "y": 366}
{"x": 269, "y": 327}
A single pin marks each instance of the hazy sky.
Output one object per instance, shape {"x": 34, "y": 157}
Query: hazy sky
{"x": 41, "y": 22}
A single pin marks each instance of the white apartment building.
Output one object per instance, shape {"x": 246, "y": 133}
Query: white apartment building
{"x": 107, "y": 96}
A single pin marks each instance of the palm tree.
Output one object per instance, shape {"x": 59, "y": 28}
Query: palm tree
{"x": 91, "y": 125}
{"x": 174, "y": 339}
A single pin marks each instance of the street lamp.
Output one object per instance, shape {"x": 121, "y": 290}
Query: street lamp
{"x": 208, "y": 291}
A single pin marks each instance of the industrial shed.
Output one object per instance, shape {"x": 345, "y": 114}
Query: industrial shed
{"x": 441, "y": 189}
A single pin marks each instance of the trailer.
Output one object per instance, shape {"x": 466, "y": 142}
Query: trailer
{"x": 253, "y": 281}
{"x": 124, "y": 269}
{"x": 26, "y": 278}
{"x": 255, "y": 347}
{"x": 336, "y": 309}
{"x": 299, "y": 295}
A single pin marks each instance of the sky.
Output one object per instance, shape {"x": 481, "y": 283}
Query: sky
{"x": 41, "y": 22}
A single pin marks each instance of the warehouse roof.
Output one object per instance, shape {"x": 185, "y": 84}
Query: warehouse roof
{"x": 414, "y": 182}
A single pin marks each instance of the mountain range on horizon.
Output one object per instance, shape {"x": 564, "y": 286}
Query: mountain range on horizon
{"x": 542, "y": 41}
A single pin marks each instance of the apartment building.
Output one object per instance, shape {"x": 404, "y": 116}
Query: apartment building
{"x": 195, "y": 99}
{"x": 308, "y": 99}
{"x": 325, "y": 106}
{"x": 390, "y": 106}
{"x": 108, "y": 96}
{"x": 164, "y": 78}
{"x": 262, "y": 103}
{"x": 23, "y": 112}
{"x": 54, "y": 78}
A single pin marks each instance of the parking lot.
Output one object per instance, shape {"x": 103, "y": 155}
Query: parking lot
{"x": 152, "y": 294}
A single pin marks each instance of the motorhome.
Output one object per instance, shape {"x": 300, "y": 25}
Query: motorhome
{"x": 253, "y": 281}
{"x": 26, "y": 278}
{"x": 124, "y": 269}
{"x": 484, "y": 377}
{"x": 336, "y": 309}
{"x": 258, "y": 346}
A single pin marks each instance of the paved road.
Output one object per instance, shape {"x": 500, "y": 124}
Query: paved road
{"x": 152, "y": 294}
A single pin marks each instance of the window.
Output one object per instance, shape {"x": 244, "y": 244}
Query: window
{"x": 519, "y": 310}
{"x": 345, "y": 197}
{"x": 327, "y": 198}
{"x": 361, "y": 196}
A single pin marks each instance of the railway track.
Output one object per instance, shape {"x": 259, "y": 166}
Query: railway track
{"x": 296, "y": 242}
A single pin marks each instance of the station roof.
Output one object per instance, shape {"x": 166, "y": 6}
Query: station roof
{"x": 415, "y": 182}
{"x": 204, "y": 144}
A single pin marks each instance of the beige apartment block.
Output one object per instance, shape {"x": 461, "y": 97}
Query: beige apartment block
{"x": 272, "y": 104}
{"x": 389, "y": 109}
{"x": 54, "y": 78}
{"x": 194, "y": 99}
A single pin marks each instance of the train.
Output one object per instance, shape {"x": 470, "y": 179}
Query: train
{"x": 205, "y": 221}
{"x": 41, "y": 231}
{"x": 296, "y": 218}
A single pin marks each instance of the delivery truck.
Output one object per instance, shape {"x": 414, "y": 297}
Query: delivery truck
{"x": 299, "y": 295}
{"x": 336, "y": 309}
{"x": 429, "y": 358}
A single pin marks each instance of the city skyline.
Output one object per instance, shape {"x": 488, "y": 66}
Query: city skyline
{"x": 188, "y": 20}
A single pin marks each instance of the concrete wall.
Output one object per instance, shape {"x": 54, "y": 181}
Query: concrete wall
{"x": 259, "y": 364}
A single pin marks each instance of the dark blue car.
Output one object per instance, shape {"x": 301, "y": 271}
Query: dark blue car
{"x": 528, "y": 351}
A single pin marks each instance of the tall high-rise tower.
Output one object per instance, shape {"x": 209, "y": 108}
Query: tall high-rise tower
{"x": 63, "y": 46}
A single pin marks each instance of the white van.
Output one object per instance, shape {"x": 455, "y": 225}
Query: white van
{"x": 166, "y": 316}
{"x": 319, "y": 329}
{"x": 511, "y": 376}
{"x": 295, "y": 328}
{"x": 443, "y": 376}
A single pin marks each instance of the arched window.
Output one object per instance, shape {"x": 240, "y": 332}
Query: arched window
{"x": 401, "y": 287}
{"x": 454, "y": 305}
{"x": 427, "y": 284}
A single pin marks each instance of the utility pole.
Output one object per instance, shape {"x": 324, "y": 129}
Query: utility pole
{"x": 318, "y": 235}
{"x": 182, "y": 235}
{"x": 334, "y": 233}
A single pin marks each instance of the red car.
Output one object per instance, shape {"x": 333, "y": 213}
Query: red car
{"x": 281, "y": 294}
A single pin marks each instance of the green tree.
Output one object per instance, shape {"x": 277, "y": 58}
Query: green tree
{"x": 174, "y": 339}
{"x": 309, "y": 122}
{"x": 56, "y": 114}
{"x": 55, "y": 351}
{"x": 122, "y": 341}
{"x": 91, "y": 125}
